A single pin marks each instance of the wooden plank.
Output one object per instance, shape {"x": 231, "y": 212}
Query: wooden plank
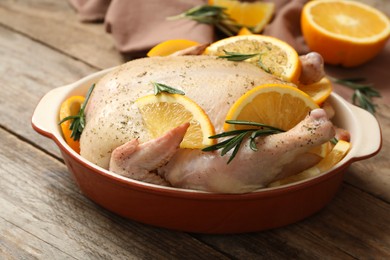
{"x": 56, "y": 24}
{"x": 356, "y": 223}
{"x": 13, "y": 246}
{"x": 373, "y": 175}
{"x": 38, "y": 197}
{"x": 29, "y": 70}
{"x": 39, "y": 200}
{"x": 353, "y": 226}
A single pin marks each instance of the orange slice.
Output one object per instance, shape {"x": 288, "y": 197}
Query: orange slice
{"x": 344, "y": 32}
{"x": 318, "y": 91}
{"x": 254, "y": 15}
{"x": 70, "y": 107}
{"x": 163, "y": 112}
{"x": 170, "y": 46}
{"x": 276, "y": 105}
{"x": 336, "y": 155}
{"x": 276, "y": 57}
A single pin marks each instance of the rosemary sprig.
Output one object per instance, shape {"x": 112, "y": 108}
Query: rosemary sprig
{"x": 237, "y": 56}
{"x": 159, "y": 88}
{"x": 236, "y": 137}
{"x": 334, "y": 140}
{"x": 78, "y": 121}
{"x": 213, "y": 15}
{"x": 363, "y": 93}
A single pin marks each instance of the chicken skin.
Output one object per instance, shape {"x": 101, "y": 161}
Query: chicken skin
{"x": 112, "y": 117}
{"x": 208, "y": 171}
{"x": 115, "y": 138}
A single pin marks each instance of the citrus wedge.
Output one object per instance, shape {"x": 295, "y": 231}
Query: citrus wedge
{"x": 276, "y": 105}
{"x": 344, "y": 32}
{"x": 336, "y": 155}
{"x": 170, "y": 46}
{"x": 338, "y": 152}
{"x": 244, "y": 31}
{"x": 318, "y": 91}
{"x": 163, "y": 112}
{"x": 322, "y": 150}
{"x": 255, "y": 15}
{"x": 70, "y": 107}
{"x": 275, "y": 56}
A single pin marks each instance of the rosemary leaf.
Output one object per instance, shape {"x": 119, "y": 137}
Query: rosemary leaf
{"x": 263, "y": 132}
{"x": 230, "y": 133}
{"x": 213, "y": 15}
{"x": 203, "y": 14}
{"x": 363, "y": 93}
{"x": 236, "y": 148}
{"x": 262, "y": 66}
{"x": 159, "y": 88}
{"x": 334, "y": 140}
{"x": 252, "y": 143}
{"x": 236, "y": 56}
{"x": 352, "y": 79}
{"x": 363, "y": 100}
{"x": 78, "y": 121}
{"x": 233, "y": 142}
{"x": 251, "y": 123}
{"x": 216, "y": 146}
{"x": 238, "y": 136}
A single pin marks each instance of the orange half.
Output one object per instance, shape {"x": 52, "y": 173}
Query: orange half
{"x": 344, "y": 32}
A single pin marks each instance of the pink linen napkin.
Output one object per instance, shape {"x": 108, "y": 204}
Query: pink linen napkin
{"x": 91, "y": 10}
{"x": 138, "y": 25}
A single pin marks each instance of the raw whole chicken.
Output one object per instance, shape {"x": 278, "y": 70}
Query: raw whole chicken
{"x": 115, "y": 138}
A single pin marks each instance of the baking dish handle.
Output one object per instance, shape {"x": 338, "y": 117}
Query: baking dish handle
{"x": 369, "y": 131}
{"x": 46, "y": 112}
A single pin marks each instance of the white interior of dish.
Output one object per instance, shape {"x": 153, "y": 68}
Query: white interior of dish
{"x": 364, "y": 129}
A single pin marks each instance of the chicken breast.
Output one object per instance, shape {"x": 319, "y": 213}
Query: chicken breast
{"x": 116, "y": 139}
{"x": 112, "y": 118}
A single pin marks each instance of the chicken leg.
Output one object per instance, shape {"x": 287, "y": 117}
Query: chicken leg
{"x": 209, "y": 171}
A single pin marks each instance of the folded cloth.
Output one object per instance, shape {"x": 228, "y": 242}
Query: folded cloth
{"x": 138, "y": 25}
{"x": 286, "y": 24}
{"x": 91, "y": 10}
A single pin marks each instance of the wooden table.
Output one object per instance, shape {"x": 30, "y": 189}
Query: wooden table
{"x": 43, "y": 214}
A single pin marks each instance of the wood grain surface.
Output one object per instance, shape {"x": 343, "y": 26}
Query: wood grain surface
{"x": 43, "y": 215}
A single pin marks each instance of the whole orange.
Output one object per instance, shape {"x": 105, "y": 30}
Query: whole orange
{"x": 348, "y": 33}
